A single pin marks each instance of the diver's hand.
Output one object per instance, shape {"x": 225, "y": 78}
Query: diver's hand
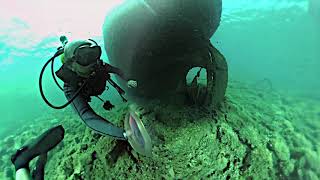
{"x": 132, "y": 84}
{"x": 127, "y": 134}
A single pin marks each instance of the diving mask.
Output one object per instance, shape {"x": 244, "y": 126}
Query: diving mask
{"x": 83, "y": 71}
{"x": 87, "y": 54}
{"x": 82, "y": 56}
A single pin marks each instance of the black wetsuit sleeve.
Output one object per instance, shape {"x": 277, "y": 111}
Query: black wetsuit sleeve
{"x": 115, "y": 70}
{"x": 89, "y": 117}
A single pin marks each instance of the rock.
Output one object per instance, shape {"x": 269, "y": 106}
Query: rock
{"x": 8, "y": 172}
{"x": 281, "y": 149}
{"x": 312, "y": 161}
{"x": 9, "y": 141}
{"x": 76, "y": 140}
{"x": 54, "y": 121}
{"x": 193, "y": 145}
{"x": 83, "y": 147}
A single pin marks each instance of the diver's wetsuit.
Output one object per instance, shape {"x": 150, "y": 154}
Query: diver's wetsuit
{"x": 94, "y": 87}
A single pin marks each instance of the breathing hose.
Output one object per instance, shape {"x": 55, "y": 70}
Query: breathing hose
{"x": 58, "y": 53}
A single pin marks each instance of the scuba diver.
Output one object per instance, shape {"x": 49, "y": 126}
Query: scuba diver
{"x": 84, "y": 75}
{"x": 38, "y": 147}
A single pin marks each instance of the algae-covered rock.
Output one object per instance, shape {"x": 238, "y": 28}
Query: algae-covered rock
{"x": 307, "y": 175}
{"x": 261, "y": 164}
{"x": 312, "y": 160}
{"x": 299, "y": 140}
{"x": 239, "y": 141}
{"x": 281, "y": 149}
{"x": 251, "y": 134}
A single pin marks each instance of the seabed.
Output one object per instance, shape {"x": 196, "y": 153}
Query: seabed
{"x": 258, "y": 133}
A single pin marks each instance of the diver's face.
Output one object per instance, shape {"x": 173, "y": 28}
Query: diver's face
{"x": 87, "y": 55}
{"x": 83, "y": 71}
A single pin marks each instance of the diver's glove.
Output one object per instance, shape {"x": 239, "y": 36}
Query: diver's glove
{"x": 132, "y": 84}
{"x": 126, "y": 134}
{"x": 41, "y": 145}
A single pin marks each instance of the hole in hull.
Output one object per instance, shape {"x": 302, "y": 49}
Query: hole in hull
{"x": 196, "y": 80}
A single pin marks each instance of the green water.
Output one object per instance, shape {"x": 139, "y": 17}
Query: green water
{"x": 263, "y": 41}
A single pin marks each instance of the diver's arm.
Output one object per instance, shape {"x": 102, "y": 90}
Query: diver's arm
{"x": 111, "y": 69}
{"x": 90, "y": 118}
{"x": 115, "y": 70}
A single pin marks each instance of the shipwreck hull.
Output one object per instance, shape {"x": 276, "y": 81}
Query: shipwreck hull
{"x": 154, "y": 41}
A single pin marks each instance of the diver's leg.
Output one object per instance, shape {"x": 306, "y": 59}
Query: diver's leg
{"x": 38, "y": 172}
{"x": 23, "y": 174}
{"x": 90, "y": 118}
{"x": 41, "y": 145}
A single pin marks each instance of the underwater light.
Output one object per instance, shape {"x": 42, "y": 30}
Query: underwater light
{"x": 138, "y": 136}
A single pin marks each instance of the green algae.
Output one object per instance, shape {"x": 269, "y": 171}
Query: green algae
{"x": 256, "y": 134}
